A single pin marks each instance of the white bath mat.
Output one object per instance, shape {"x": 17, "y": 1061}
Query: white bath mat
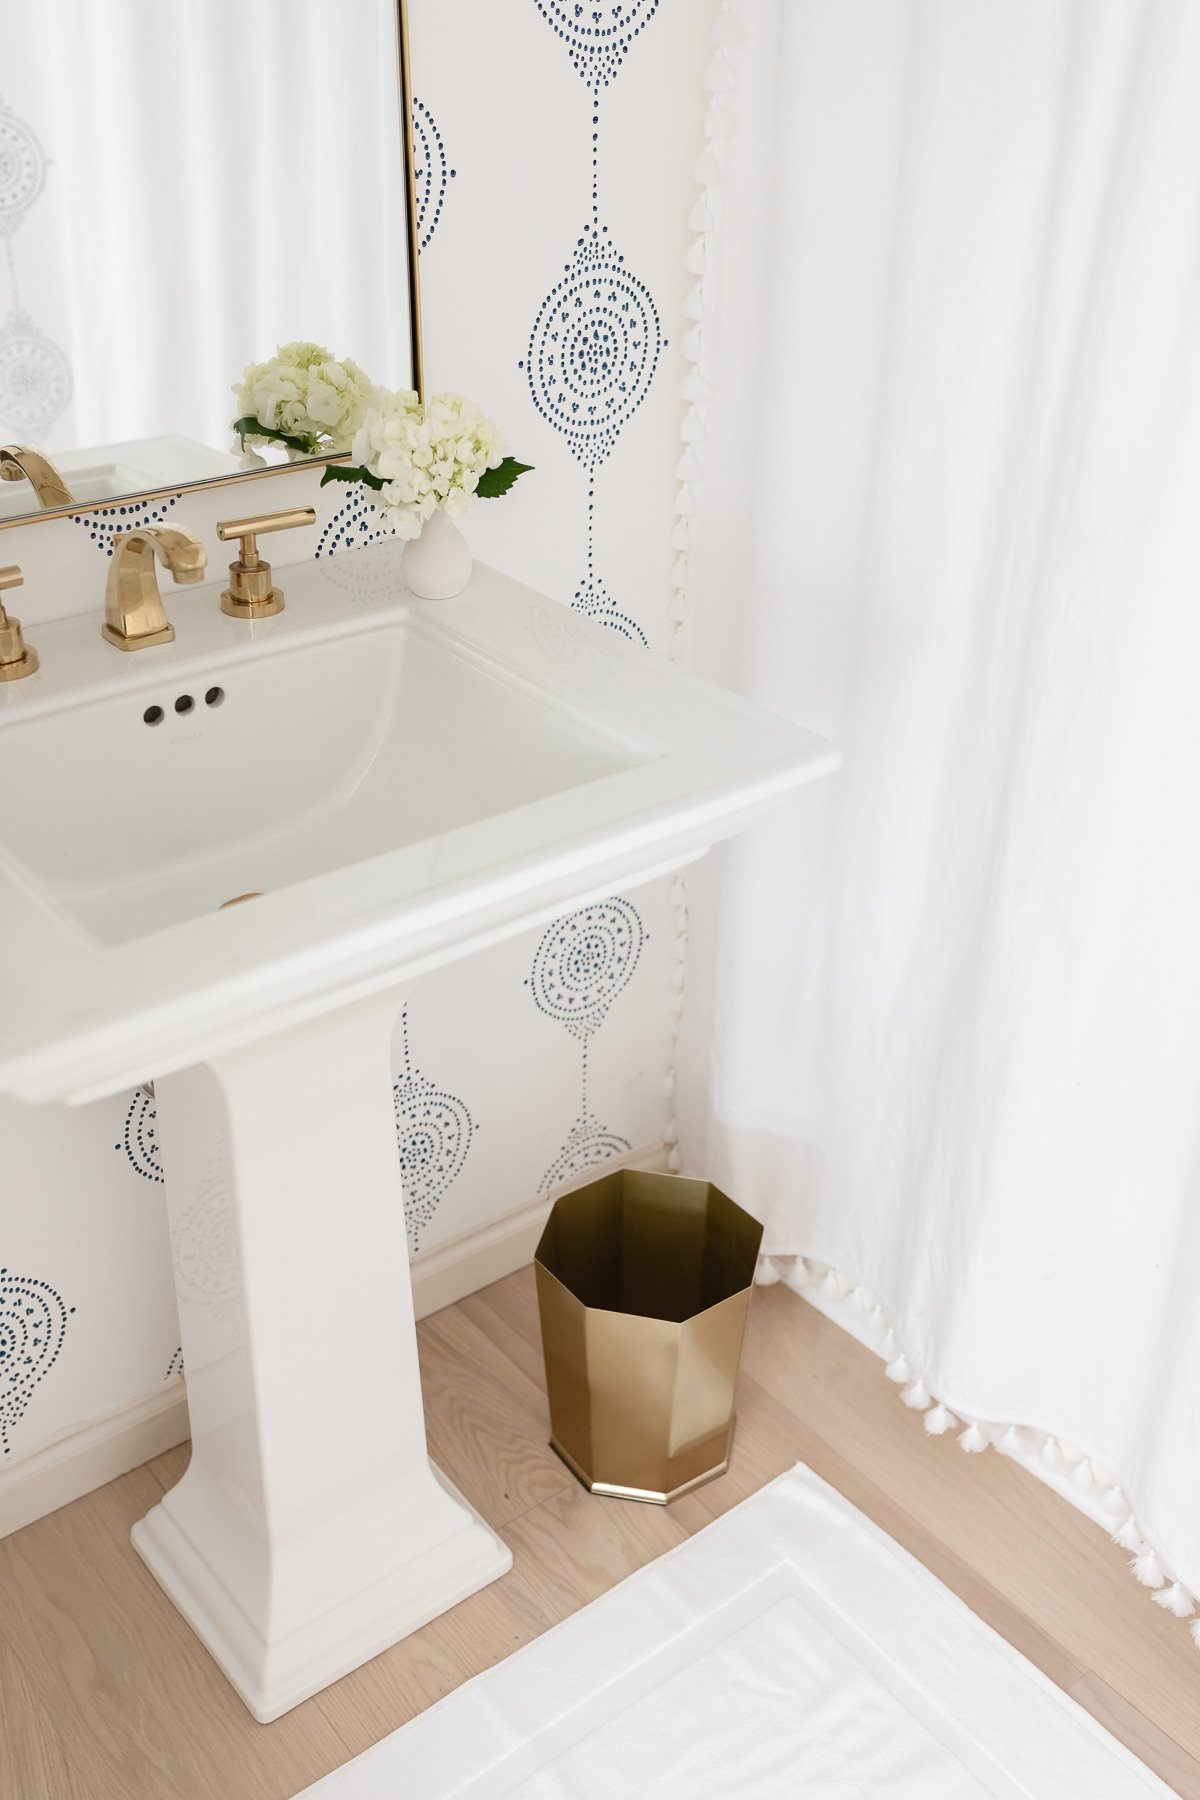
{"x": 791, "y": 1649}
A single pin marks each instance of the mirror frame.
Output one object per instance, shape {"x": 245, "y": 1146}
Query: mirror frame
{"x": 404, "y": 69}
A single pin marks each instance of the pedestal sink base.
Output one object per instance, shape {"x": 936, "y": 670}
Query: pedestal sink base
{"x": 272, "y": 1678}
{"x": 310, "y": 1530}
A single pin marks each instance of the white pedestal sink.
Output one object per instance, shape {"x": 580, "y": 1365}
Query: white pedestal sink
{"x": 402, "y": 782}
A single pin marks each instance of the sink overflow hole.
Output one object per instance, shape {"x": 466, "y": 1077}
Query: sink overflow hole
{"x": 153, "y": 715}
{"x": 184, "y": 704}
{"x": 214, "y": 696}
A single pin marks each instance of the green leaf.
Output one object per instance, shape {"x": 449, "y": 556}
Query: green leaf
{"x": 252, "y": 427}
{"x": 348, "y": 472}
{"x": 494, "y": 482}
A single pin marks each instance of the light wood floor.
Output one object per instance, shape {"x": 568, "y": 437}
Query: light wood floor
{"x": 106, "y": 1695}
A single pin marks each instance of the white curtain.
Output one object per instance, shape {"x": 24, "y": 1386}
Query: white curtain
{"x": 952, "y": 518}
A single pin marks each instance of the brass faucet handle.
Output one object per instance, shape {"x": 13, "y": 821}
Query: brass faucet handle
{"x": 251, "y": 594}
{"x": 17, "y": 658}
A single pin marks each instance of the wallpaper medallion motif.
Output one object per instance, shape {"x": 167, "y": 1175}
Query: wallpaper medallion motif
{"x": 585, "y": 959}
{"x": 597, "y": 338}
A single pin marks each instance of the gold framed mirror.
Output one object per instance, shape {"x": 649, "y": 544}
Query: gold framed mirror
{"x": 185, "y": 186}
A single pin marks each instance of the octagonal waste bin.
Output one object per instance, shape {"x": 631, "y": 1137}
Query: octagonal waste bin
{"x": 644, "y": 1285}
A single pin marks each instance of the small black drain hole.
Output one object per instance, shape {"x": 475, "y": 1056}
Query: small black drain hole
{"x": 184, "y": 704}
{"x": 153, "y": 715}
{"x": 214, "y": 696}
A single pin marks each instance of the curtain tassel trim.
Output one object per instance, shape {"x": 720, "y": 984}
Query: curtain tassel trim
{"x": 720, "y": 83}
{"x": 1074, "y": 1474}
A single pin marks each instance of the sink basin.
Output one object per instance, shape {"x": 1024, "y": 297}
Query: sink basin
{"x": 400, "y": 782}
{"x": 317, "y": 758}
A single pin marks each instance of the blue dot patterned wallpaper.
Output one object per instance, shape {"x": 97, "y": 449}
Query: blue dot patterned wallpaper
{"x": 33, "y": 1327}
{"x": 597, "y": 338}
{"x": 554, "y": 170}
{"x": 585, "y": 959}
{"x": 433, "y": 1133}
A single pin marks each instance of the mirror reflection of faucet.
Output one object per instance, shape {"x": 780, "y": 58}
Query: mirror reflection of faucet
{"x": 19, "y": 463}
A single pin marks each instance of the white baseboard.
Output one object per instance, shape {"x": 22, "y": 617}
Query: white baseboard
{"x": 94, "y": 1454}
{"x": 130, "y": 1435}
{"x": 444, "y": 1274}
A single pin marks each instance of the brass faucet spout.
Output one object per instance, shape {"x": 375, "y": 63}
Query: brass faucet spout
{"x": 19, "y": 463}
{"x": 133, "y": 608}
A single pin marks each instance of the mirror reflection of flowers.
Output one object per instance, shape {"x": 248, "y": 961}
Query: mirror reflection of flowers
{"x": 418, "y": 457}
{"x": 305, "y": 399}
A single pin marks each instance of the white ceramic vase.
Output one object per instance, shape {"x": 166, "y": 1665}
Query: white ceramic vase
{"x": 437, "y": 565}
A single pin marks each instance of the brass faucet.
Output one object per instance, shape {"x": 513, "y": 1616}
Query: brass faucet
{"x": 17, "y": 658}
{"x": 19, "y": 463}
{"x": 133, "y": 608}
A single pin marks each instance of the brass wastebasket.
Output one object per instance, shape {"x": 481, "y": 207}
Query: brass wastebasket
{"x": 643, "y": 1287}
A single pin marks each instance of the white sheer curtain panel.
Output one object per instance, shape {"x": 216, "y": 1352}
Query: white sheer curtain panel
{"x": 951, "y": 517}
{"x": 225, "y": 176}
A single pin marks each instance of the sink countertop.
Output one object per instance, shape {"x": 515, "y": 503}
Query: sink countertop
{"x": 657, "y": 765}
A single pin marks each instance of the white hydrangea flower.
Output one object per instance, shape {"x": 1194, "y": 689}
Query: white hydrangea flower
{"x": 307, "y": 393}
{"x": 427, "y": 457}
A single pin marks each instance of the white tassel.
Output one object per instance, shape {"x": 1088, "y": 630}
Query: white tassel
{"x": 667, "y": 1090}
{"x": 720, "y": 78}
{"x": 685, "y": 503}
{"x": 707, "y": 172}
{"x": 939, "y": 1420}
{"x": 879, "y": 1317}
{"x": 719, "y": 120}
{"x": 690, "y": 345}
{"x": 670, "y": 1132}
{"x": 917, "y": 1396}
{"x": 768, "y": 1272}
{"x": 1012, "y": 1443}
{"x": 728, "y": 28}
{"x": 1081, "y": 1476}
{"x": 861, "y": 1300}
{"x": 675, "y": 1162}
{"x": 1148, "y": 1569}
{"x": 1129, "y": 1537}
{"x": 696, "y": 260}
{"x": 1194, "y": 1628}
{"x": 1052, "y": 1454}
{"x": 694, "y": 389}
{"x": 1113, "y": 1501}
{"x": 889, "y": 1346}
{"x": 701, "y": 216}
{"x": 1175, "y": 1599}
{"x": 973, "y": 1438}
{"x": 689, "y": 467}
{"x": 693, "y": 305}
{"x": 679, "y": 568}
{"x": 692, "y": 429}
{"x": 900, "y": 1370}
{"x": 681, "y": 537}
{"x": 830, "y": 1284}
{"x": 799, "y": 1276}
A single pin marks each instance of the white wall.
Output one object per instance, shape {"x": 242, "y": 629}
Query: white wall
{"x": 82, "y": 1230}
